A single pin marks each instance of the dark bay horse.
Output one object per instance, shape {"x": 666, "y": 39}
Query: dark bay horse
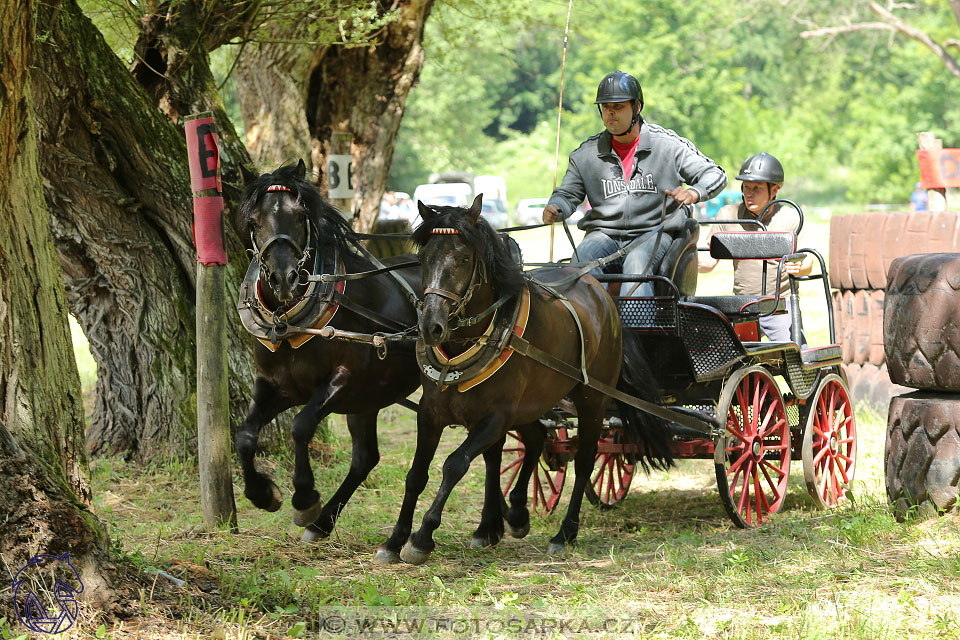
{"x": 466, "y": 269}
{"x": 291, "y": 231}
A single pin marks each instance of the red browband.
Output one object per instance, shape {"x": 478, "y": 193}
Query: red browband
{"x": 444, "y": 231}
{"x": 279, "y": 187}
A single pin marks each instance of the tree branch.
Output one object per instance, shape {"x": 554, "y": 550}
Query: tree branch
{"x": 849, "y": 28}
{"x": 949, "y": 61}
{"x": 895, "y": 24}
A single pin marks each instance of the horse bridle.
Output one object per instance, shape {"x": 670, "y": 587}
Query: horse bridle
{"x": 258, "y": 253}
{"x": 478, "y": 278}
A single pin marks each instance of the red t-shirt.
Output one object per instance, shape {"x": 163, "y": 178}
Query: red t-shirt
{"x": 626, "y": 151}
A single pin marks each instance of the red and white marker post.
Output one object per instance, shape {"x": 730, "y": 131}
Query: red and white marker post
{"x": 213, "y": 406}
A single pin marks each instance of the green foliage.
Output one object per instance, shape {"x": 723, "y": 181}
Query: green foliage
{"x": 841, "y": 112}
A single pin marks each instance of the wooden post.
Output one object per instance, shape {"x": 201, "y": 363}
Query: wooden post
{"x": 936, "y": 198}
{"x": 340, "y": 174}
{"x": 213, "y": 411}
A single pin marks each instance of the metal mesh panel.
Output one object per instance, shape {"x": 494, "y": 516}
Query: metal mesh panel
{"x": 802, "y": 381}
{"x": 648, "y": 313}
{"x": 710, "y": 344}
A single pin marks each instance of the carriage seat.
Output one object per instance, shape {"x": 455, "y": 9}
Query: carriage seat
{"x": 679, "y": 263}
{"x": 742, "y": 307}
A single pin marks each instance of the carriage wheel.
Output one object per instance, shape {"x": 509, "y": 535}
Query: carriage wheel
{"x": 830, "y": 444}
{"x": 548, "y": 475}
{"x": 752, "y": 454}
{"x": 613, "y": 473}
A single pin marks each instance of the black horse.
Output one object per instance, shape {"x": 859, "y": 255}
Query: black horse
{"x": 467, "y": 269}
{"x": 293, "y": 235}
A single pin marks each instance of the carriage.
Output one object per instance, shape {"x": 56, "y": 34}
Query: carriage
{"x": 751, "y": 406}
{"x": 760, "y": 404}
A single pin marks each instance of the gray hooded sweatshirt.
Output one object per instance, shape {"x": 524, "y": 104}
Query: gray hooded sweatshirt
{"x": 663, "y": 160}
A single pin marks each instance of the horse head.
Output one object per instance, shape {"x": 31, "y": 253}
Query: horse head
{"x": 288, "y": 225}
{"x": 459, "y": 253}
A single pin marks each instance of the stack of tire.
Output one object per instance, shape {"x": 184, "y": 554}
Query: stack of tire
{"x": 922, "y": 340}
{"x": 862, "y": 248}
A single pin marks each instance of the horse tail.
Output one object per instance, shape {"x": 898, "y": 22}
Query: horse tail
{"x": 650, "y": 433}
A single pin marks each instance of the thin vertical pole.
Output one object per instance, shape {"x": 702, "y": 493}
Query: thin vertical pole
{"x": 556, "y": 155}
{"x": 213, "y": 407}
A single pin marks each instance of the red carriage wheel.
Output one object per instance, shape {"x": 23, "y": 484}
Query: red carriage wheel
{"x": 752, "y": 454}
{"x": 548, "y": 475}
{"x": 613, "y": 471}
{"x": 830, "y": 444}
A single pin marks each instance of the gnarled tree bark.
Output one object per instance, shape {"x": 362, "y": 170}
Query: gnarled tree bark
{"x": 359, "y": 90}
{"x": 117, "y": 190}
{"x": 44, "y": 491}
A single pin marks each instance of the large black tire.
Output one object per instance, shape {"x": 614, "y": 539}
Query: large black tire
{"x": 922, "y": 453}
{"x": 921, "y": 323}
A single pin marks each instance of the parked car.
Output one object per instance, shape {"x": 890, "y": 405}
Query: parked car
{"x": 495, "y": 212}
{"x": 529, "y": 211}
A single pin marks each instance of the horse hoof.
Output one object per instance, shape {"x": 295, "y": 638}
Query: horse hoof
{"x": 518, "y": 532}
{"x": 555, "y": 549}
{"x": 276, "y": 499}
{"x": 385, "y": 557}
{"x": 479, "y": 543}
{"x": 307, "y": 517}
{"x": 311, "y": 534}
{"x": 411, "y": 555}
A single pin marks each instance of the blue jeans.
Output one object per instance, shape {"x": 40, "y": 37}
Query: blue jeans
{"x": 597, "y": 244}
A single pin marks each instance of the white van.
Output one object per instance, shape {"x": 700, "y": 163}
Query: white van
{"x": 449, "y": 194}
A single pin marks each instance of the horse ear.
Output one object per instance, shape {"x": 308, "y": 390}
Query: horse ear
{"x": 475, "y": 208}
{"x": 425, "y": 212}
{"x": 248, "y": 176}
{"x": 301, "y": 169}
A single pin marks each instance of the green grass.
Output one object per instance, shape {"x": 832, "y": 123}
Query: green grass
{"x": 667, "y": 559}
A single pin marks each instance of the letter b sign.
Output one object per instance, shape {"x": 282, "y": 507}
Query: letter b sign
{"x": 340, "y": 176}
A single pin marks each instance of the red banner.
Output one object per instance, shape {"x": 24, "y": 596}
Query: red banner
{"x": 203, "y": 154}
{"x": 939, "y": 168}
{"x": 208, "y": 230}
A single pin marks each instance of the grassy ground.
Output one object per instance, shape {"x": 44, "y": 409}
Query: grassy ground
{"x": 666, "y": 563}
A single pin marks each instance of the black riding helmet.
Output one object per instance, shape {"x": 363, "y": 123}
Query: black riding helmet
{"x": 761, "y": 167}
{"x": 620, "y": 87}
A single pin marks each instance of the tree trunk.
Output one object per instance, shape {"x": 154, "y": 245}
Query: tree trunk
{"x": 359, "y": 90}
{"x": 44, "y": 491}
{"x": 118, "y": 192}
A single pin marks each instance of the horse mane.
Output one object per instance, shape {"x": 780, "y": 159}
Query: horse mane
{"x": 503, "y": 265}
{"x": 332, "y": 227}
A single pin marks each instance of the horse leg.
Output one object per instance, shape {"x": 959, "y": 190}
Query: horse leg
{"x": 264, "y": 407}
{"x": 428, "y": 437}
{"x": 487, "y": 432}
{"x": 518, "y": 516}
{"x": 305, "y": 500}
{"x": 490, "y": 530}
{"x": 363, "y": 435}
{"x": 589, "y": 424}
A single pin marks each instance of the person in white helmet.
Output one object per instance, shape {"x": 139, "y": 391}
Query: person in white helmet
{"x": 761, "y": 176}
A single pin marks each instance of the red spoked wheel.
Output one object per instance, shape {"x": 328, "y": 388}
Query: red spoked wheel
{"x": 830, "y": 444}
{"x": 752, "y": 454}
{"x": 613, "y": 470}
{"x": 549, "y": 474}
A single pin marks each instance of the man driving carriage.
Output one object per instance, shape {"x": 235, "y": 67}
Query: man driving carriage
{"x": 626, "y": 213}
{"x": 761, "y": 176}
